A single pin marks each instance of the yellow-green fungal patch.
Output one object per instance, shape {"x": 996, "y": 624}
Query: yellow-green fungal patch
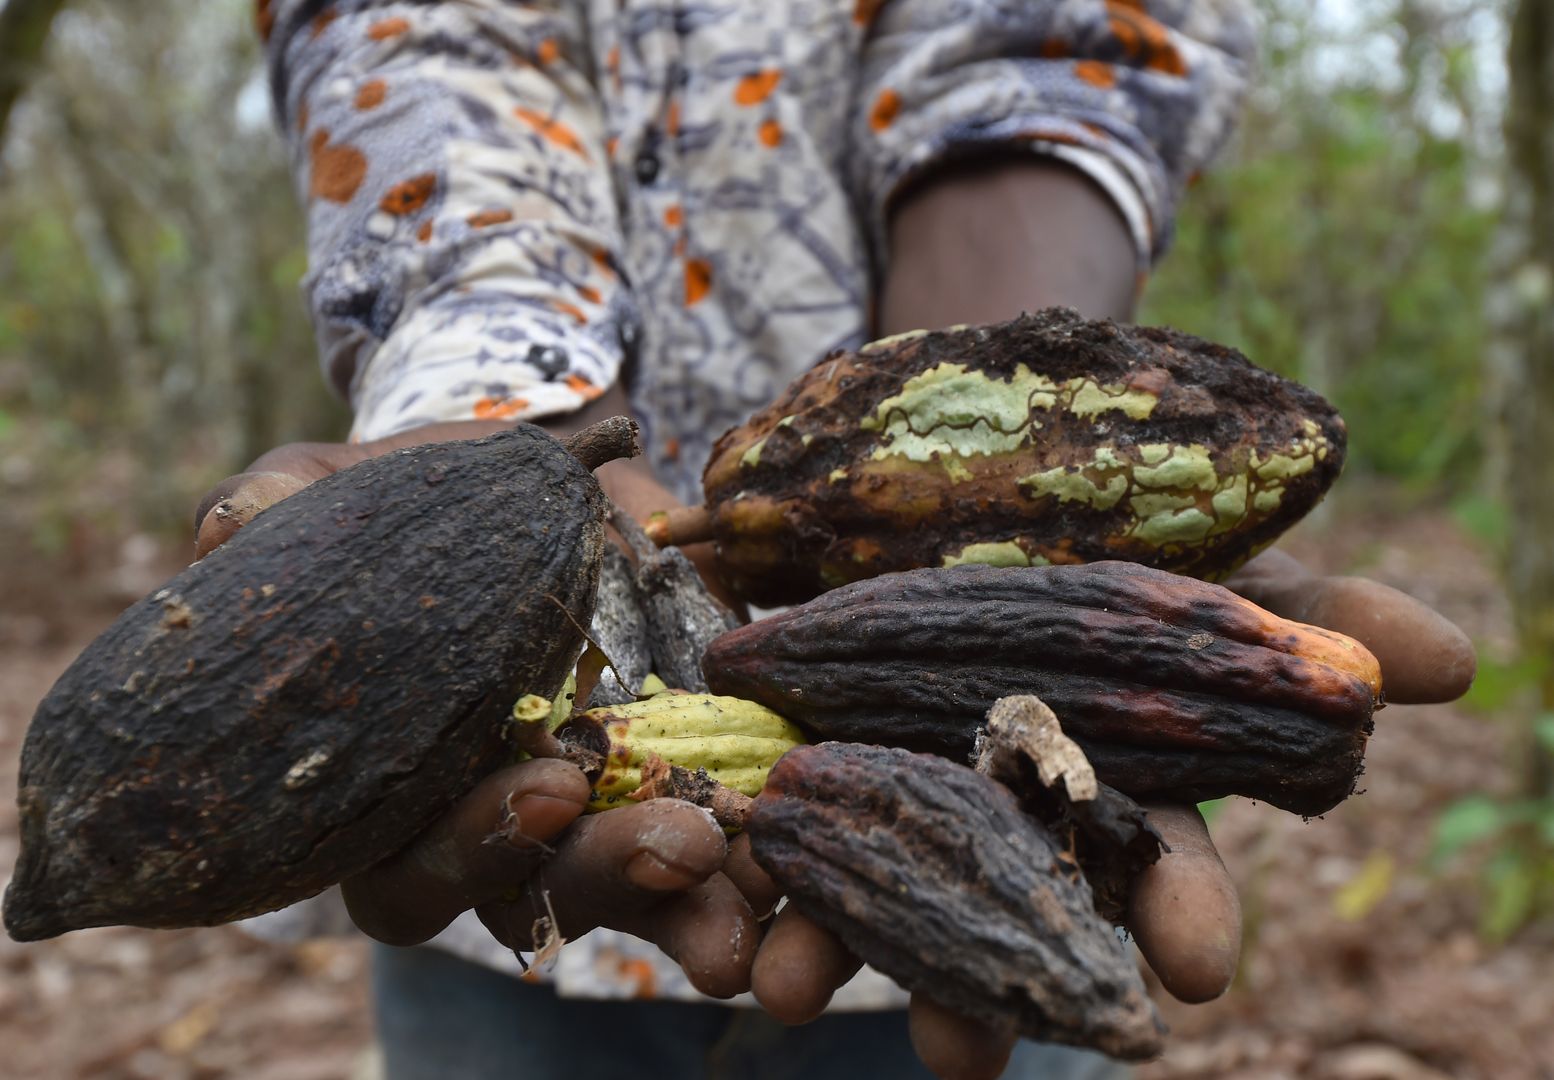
{"x": 752, "y": 457}
{"x": 1071, "y": 484}
{"x": 893, "y": 340}
{"x": 1145, "y": 506}
{"x": 1267, "y": 500}
{"x": 1186, "y": 467}
{"x": 1229, "y": 504}
{"x": 1284, "y": 467}
{"x": 950, "y": 410}
{"x": 1154, "y": 453}
{"x": 1182, "y": 526}
{"x": 1092, "y": 399}
{"x": 1002, "y": 553}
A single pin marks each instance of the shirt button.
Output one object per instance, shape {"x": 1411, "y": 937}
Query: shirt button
{"x": 645, "y": 166}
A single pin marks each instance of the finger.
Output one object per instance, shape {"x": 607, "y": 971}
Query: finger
{"x": 235, "y": 502}
{"x": 709, "y": 930}
{"x": 759, "y": 890}
{"x": 1424, "y": 657}
{"x": 1184, "y": 912}
{"x": 490, "y": 842}
{"x": 799, "y": 967}
{"x": 956, "y": 1047}
{"x": 612, "y": 865}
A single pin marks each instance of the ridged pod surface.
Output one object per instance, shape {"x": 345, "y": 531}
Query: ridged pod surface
{"x": 1047, "y": 439}
{"x": 303, "y": 701}
{"x": 1175, "y": 688}
{"x": 932, "y": 874}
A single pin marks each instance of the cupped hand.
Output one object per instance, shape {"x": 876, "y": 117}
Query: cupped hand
{"x": 515, "y": 848}
{"x": 1183, "y": 911}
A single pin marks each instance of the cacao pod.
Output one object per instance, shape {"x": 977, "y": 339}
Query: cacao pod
{"x": 306, "y": 699}
{"x": 1047, "y": 439}
{"x": 1174, "y": 688}
{"x": 735, "y": 741}
{"x": 933, "y": 874}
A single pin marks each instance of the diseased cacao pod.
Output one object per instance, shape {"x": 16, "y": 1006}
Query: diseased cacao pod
{"x": 1048, "y": 439}
{"x": 305, "y": 700}
{"x": 932, "y": 874}
{"x": 735, "y": 741}
{"x": 1174, "y": 688}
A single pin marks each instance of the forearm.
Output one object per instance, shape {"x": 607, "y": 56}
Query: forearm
{"x": 463, "y": 238}
{"x": 986, "y": 240}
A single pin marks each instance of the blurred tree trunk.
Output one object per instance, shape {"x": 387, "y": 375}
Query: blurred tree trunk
{"x": 1529, "y": 340}
{"x": 24, "y": 27}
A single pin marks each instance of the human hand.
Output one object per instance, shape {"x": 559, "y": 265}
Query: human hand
{"x": 1183, "y": 911}
{"x": 514, "y": 849}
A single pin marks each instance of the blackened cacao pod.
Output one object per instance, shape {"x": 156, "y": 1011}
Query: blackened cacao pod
{"x": 1174, "y": 688}
{"x": 931, "y": 873}
{"x": 303, "y": 701}
{"x": 1048, "y": 439}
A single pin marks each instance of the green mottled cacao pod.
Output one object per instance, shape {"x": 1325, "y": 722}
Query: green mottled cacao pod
{"x": 1175, "y": 688}
{"x": 1048, "y": 439}
{"x": 302, "y": 702}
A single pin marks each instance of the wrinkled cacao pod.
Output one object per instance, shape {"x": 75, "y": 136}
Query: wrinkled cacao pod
{"x": 932, "y": 874}
{"x": 1174, "y": 688}
{"x": 1048, "y": 439}
{"x": 306, "y": 699}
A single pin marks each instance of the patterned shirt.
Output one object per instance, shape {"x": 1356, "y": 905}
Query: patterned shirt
{"x": 514, "y": 205}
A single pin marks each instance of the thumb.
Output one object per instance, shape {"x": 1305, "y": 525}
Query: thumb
{"x": 235, "y": 502}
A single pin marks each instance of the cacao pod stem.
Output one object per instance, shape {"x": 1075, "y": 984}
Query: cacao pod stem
{"x": 680, "y": 526}
{"x": 608, "y": 440}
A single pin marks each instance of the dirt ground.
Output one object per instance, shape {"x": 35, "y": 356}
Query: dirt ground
{"x": 1396, "y": 986}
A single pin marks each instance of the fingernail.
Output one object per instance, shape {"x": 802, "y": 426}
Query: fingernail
{"x": 646, "y": 870}
{"x": 536, "y": 819}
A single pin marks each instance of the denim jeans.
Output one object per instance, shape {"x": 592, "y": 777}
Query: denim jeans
{"x": 442, "y": 1018}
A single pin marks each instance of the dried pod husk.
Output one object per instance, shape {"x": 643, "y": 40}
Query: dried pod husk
{"x": 931, "y": 873}
{"x": 306, "y": 699}
{"x": 734, "y": 742}
{"x": 1174, "y": 688}
{"x": 1047, "y": 439}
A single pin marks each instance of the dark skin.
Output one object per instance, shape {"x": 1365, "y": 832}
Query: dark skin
{"x": 977, "y": 243}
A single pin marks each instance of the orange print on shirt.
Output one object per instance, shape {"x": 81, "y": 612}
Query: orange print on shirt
{"x": 672, "y": 449}
{"x": 587, "y": 389}
{"x": 321, "y": 22}
{"x": 1054, "y": 49}
{"x": 641, "y": 972}
{"x": 336, "y": 172}
{"x": 1096, "y": 73}
{"x": 754, "y": 89}
{"x": 486, "y": 218}
{"x": 601, "y": 259}
{"x": 567, "y": 308}
{"x": 698, "y": 280}
{"x": 672, "y": 120}
{"x": 770, "y": 133}
{"x": 264, "y": 19}
{"x": 424, "y": 233}
{"x": 1145, "y": 39}
{"x": 371, "y": 94}
{"x": 408, "y": 196}
{"x": 552, "y": 130}
{"x": 499, "y": 408}
{"x": 865, "y": 10}
{"x": 548, "y": 51}
{"x": 384, "y": 29}
{"x": 673, "y": 217}
{"x": 886, "y": 107}
{"x": 589, "y": 293}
